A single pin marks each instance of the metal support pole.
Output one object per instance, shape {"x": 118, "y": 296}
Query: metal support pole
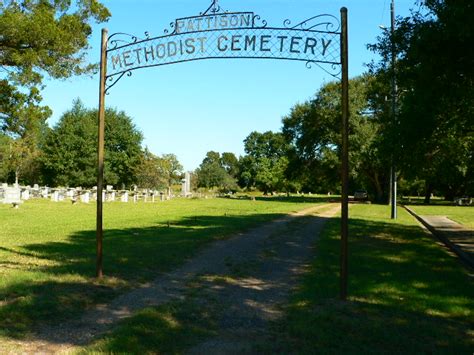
{"x": 393, "y": 172}
{"x": 345, "y": 155}
{"x": 100, "y": 152}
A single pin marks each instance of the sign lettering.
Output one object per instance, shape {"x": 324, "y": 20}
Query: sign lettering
{"x": 226, "y": 35}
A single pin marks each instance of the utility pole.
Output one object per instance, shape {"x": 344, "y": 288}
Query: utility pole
{"x": 393, "y": 173}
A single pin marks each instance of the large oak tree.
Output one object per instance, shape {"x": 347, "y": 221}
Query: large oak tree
{"x": 38, "y": 39}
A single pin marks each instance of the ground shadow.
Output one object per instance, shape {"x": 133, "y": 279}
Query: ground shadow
{"x": 62, "y": 282}
{"x": 407, "y": 295}
{"x": 414, "y": 265}
{"x": 310, "y": 199}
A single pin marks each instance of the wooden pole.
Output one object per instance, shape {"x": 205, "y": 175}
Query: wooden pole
{"x": 345, "y": 156}
{"x": 100, "y": 153}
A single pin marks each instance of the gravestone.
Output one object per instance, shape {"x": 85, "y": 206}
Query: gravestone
{"x": 55, "y": 196}
{"x": 124, "y": 197}
{"x": 85, "y": 197}
{"x": 45, "y": 192}
{"x": 12, "y": 195}
{"x": 61, "y": 195}
{"x": 35, "y": 191}
{"x": 186, "y": 185}
{"x": 25, "y": 194}
{"x": 70, "y": 193}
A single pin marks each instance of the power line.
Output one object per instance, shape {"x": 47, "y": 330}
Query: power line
{"x": 383, "y": 11}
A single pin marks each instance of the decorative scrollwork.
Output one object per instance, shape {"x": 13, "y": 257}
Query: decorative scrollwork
{"x": 110, "y": 81}
{"x": 330, "y": 22}
{"x": 167, "y": 31}
{"x": 335, "y": 69}
{"x": 214, "y": 8}
{"x": 257, "y": 18}
{"x": 147, "y": 35}
{"x": 126, "y": 39}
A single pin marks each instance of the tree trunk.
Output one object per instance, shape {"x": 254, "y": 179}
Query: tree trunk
{"x": 428, "y": 192}
{"x": 379, "y": 195}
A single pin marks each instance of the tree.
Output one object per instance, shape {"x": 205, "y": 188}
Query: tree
{"x": 148, "y": 175}
{"x": 435, "y": 75}
{"x": 212, "y": 174}
{"x": 24, "y": 123}
{"x": 313, "y": 131}
{"x": 266, "y": 161}
{"x": 70, "y": 152}
{"x": 170, "y": 168}
{"x": 38, "y": 38}
{"x": 231, "y": 164}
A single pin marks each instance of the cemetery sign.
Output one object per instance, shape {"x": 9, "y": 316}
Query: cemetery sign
{"x": 216, "y": 34}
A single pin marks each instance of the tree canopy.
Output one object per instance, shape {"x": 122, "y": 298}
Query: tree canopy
{"x": 70, "y": 151}
{"x": 434, "y": 129}
{"x": 38, "y": 38}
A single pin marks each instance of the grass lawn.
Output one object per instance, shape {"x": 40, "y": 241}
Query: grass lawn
{"x": 407, "y": 294}
{"x": 47, "y": 250}
{"x": 461, "y": 214}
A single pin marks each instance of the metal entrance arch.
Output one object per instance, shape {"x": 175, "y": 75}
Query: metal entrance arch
{"x": 216, "y": 34}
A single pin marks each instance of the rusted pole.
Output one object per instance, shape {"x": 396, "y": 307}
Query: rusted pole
{"x": 393, "y": 171}
{"x": 100, "y": 153}
{"x": 345, "y": 155}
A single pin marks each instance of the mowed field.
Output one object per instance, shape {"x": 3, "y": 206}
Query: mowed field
{"x": 407, "y": 295}
{"x": 47, "y": 249}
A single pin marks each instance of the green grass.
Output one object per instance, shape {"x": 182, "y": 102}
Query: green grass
{"x": 407, "y": 294}
{"x": 461, "y": 214}
{"x": 47, "y": 250}
{"x": 171, "y": 328}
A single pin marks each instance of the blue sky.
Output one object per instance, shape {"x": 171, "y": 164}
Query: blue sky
{"x": 191, "y": 108}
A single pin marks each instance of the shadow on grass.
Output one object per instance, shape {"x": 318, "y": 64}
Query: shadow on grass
{"x": 51, "y": 282}
{"x": 407, "y": 295}
{"x": 291, "y": 199}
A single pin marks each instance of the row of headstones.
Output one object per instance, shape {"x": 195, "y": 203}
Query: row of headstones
{"x": 16, "y": 194}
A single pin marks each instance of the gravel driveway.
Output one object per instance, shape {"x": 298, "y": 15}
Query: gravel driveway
{"x": 259, "y": 267}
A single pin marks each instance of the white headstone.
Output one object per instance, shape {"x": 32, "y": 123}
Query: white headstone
{"x": 55, "y": 196}
{"x": 124, "y": 197}
{"x": 12, "y": 195}
{"x": 70, "y": 193}
{"x": 85, "y": 197}
{"x": 25, "y": 194}
{"x": 187, "y": 176}
{"x": 186, "y": 185}
{"x": 45, "y": 192}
